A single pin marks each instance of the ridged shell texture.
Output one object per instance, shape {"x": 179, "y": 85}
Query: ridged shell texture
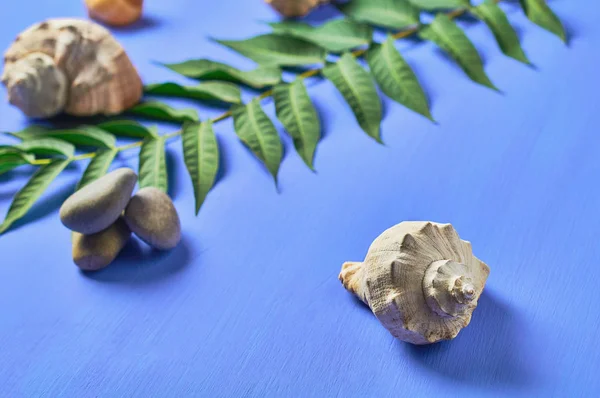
{"x": 72, "y": 66}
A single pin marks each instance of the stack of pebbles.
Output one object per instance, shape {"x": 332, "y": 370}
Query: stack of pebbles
{"x": 103, "y": 214}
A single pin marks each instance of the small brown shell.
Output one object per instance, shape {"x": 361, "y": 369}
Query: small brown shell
{"x": 81, "y": 61}
{"x": 295, "y": 8}
{"x": 115, "y": 12}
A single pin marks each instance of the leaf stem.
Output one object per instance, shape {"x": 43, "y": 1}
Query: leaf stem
{"x": 309, "y": 73}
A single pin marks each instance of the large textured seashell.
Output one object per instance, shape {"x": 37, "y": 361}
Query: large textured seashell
{"x": 72, "y": 66}
{"x": 115, "y": 12}
{"x": 420, "y": 280}
{"x": 295, "y": 8}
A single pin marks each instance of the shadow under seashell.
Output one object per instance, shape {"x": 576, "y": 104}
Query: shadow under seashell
{"x": 489, "y": 352}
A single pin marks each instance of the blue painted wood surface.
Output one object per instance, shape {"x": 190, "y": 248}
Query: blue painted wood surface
{"x": 249, "y": 304}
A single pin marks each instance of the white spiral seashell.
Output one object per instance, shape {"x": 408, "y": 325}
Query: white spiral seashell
{"x": 420, "y": 280}
{"x": 72, "y": 66}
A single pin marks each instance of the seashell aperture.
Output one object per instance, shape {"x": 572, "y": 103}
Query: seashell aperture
{"x": 420, "y": 280}
{"x": 72, "y": 66}
{"x": 295, "y": 8}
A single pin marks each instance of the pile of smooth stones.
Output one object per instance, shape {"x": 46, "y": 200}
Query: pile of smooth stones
{"x": 103, "y": 214}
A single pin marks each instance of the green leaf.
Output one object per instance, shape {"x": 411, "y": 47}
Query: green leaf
{"x": 336, "y": 36}
{"x": 540, "y": 14}
{"x": 393, "y": 14}
{"x": 396, "y": 78}
{"x": 86, "y": 136}
{"x": 298, "y": 115}
{"x": 80, "y": 136}
{"x": 446, "y": 34}
{"x": 12, "y": 157}
{"x": 30, "y": 193}
{"x": 357, "y": 87}
{"x": 160, "y": 111}
{"x": 126, "y": 128}
{"x": 258, "y": 132}
{"x": 201, "y": 155}
{"x": 97, "y": 166}
{"x": 47, "y": 146}
{"x": 205, "y": 69}
{"x": 8, "y": 166}
{"x": 504, "y": 33}
{"x": 153, "y": 165}
{"x": 8, "y": 151}
{"x": 29, "y": 131}
{"x": 430, "y": 5}
{"x": 209, "y": 91}
{"x": 277, "y": 50}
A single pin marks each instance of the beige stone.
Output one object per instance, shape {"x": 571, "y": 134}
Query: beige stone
{"x": 96, "y": 251}
{"x": 98, "y": 204}
{"x": 152, "y": 216}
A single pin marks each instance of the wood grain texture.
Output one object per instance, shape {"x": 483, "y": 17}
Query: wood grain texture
{"x": 249, "y": 304}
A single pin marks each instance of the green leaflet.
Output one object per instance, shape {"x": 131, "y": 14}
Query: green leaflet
{"x": 126, "y": 128}
{"x": 357, "y": 87}
{"x": 209, "y": 91}
{"x": 430, "y": 5}
{"x": 80, "y": 136}
{"x": 258, "y": 132}
{"x": 277, "y": 50}
{"x": 446, "y": 34}
{"x": 30, "y": 193}
{"x": 298, "y": 115}
{"x": 540, "y": 14}
{"x": 48, "y": 147}
{"x": 205, "y": 69}
{"x": 160, "y": 111}
{"x": 153, "y": 165}
{"x": 97, "y": 166}
{"x": 393, "y": 14}
{"x": 30, "y": 131}
{"x": 505, "y": 35}
{"x": 201, "y": 155}
{"x": 396, "y": 78}
{"x": 336, "y": 36}
{"x": 12, "y": 157}
{"x": 87, "y": 136}
{"x": 9, "y": 165}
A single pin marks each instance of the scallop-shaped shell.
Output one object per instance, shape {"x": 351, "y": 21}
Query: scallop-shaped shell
{"x": 72, "y": 66}
{"x": 420, "y": 280}
{"x": 295, "y": 8}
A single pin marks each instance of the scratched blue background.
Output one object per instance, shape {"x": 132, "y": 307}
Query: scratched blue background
{"x": 249, "y": 304}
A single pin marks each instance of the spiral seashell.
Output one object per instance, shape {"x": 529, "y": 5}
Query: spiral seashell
{"x": 72, "y": 66}
{"x": 115, "y": 12}
{"x": 295, "y": 8}
{"x": 420, "y": 280}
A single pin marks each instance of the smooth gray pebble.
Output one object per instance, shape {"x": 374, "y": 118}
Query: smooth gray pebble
{"x": 98, "y": 205}
{"x": 152, "y": 216}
